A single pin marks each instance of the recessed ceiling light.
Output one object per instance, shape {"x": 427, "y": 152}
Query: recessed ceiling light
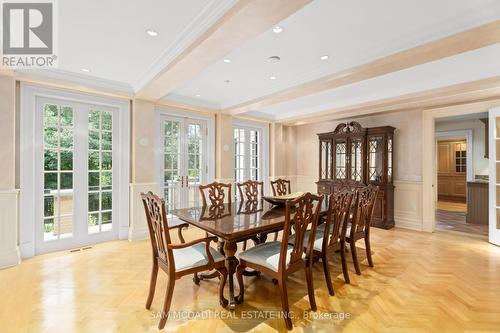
{"x": 324, "y": 57}
{"x": 86, "y": 70}
{"x": 198, "y": 95}
{"x": 152, "y": 33}
{"x": 277, "y": 29}
{"x": 227, "y": 60}
{"x": 272, "y": 77}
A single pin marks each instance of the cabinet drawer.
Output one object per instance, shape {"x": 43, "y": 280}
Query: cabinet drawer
{"x": 324, "y": 189}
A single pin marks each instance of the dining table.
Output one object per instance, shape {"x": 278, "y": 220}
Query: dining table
{"x": 236, "y": 222}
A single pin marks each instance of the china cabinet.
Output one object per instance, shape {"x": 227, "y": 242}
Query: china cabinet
{"x": 354, "y": 156}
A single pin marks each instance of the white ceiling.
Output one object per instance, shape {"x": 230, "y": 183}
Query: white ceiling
{"x": 109, "y": 36}
{"x": 469, "y": 66}
{"x": 350, "y": 32}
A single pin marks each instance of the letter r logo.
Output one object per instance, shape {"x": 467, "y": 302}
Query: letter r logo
{"x": 27, "y": 28}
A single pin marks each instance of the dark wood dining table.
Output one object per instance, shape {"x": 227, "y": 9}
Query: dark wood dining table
{"x": 236, "y": 222}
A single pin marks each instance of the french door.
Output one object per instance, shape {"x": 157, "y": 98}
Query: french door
{"x": 184, "y": 165}
{"x": 494, "y": 177}
{"x": 75, "y": 174}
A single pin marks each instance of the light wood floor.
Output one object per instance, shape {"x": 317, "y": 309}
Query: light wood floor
{"x": 452, "y": 206}
{"x": 421, "y": 282}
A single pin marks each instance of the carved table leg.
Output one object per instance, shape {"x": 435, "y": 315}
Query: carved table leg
{"x": 230, "y": 248}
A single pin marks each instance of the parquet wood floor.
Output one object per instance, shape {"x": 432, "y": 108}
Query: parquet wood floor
{"x": 421, "y": 282}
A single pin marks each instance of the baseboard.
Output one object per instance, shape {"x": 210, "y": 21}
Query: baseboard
{"x": 407, "y": 223}
{"x": 138, "y": 234}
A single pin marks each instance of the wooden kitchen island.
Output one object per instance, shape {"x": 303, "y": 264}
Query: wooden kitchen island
{"x": 477, "y": 202}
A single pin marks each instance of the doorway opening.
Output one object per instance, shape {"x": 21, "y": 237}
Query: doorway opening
{"x": 462, "y": 174}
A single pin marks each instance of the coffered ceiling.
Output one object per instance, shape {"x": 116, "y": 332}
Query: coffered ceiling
{"x": 376, "y": 50}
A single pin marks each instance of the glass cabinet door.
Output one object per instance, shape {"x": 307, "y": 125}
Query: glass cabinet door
{"x": 356, "y": 159}
{"x": 340, "y": 159}
{"x": 326, "y": 159}
{"x": 389, "y": 159}
{"x": 375, "y": 158}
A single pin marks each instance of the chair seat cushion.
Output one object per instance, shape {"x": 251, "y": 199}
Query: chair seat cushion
{"x": 266, "y": 254}
{"x": 194, "y": 256}
{"x": 318, "y": 241}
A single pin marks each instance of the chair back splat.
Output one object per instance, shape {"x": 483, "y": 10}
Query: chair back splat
{"x": 216, "y": 193}
{"x": 365, "y": 202}
{"x": 336, "y": 222}
{"x": 159, "y": 234}
{"x": 281, "y": 187}
{"x": 300, "y": 213}
{"x": 250, "y": 190}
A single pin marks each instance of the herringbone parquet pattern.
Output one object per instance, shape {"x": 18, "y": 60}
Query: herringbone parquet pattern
{"x": 420, "y": 283}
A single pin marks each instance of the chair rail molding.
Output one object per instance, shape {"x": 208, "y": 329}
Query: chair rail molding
{"x": 9, "y": 249}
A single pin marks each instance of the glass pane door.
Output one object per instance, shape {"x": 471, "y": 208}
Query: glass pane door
{"x": 340, "y": 159}
{"x": 356, "y": 162}
{"x": 75, "y": 174}
{"x": 248, "y": 154}
{"x": 326, "y": 159}
{"x": 184, "y": 165}
{"x": 494, "y": 177}
{"x": 57, "y": 171}
{"x": 172, "y": 162}
{"x": 375, "y": 158}
{"x": 196, "y": 166}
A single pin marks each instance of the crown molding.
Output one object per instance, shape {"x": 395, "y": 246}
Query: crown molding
{"x": 203, "y": 21}
{"x": 74, "y": 81}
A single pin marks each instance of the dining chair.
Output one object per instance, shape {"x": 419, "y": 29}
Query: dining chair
{"x": 218, "y": 194}
{"x": 280, "y": 187}
{"x": 278, "y": 259}
{"x": 359, "y": 228}
{"x": 250, "y": 191}
{"x": 330, "y": 236}
{"x": 177, "y": 260}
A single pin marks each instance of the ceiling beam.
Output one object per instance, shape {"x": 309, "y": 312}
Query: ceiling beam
{"x": 244, "y": 21}
{"x": 469, "y": 92}
{"x": 464, "y": 41}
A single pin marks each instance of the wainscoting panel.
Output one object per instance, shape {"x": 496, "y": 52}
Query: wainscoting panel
{"x": 138, "y": 225}
{"x": 407, "y": 199}
{"x": 408, "y": 204}
{"x": 9, "y": 251}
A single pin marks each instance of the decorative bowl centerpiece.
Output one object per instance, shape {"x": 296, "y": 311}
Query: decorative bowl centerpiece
{"x": 280, "y": 200}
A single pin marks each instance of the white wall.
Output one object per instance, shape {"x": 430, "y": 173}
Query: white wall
{"x": 480, "y": 164}
{"x": 9, "y": 251}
